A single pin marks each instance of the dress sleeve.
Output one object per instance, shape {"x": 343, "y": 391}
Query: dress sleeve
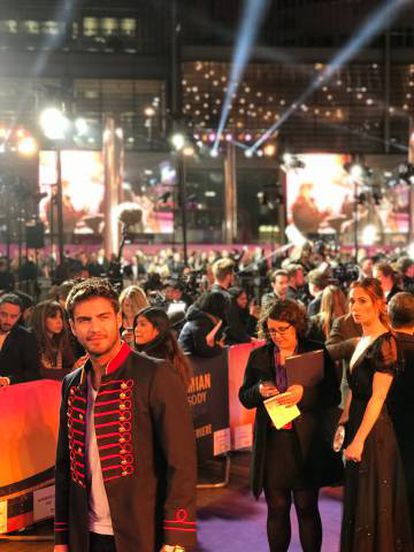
{"x": 385, "y": 355}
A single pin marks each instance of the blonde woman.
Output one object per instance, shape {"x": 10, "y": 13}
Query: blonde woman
{"x": 132, "y": 299}
{"x": 333, "y": 305}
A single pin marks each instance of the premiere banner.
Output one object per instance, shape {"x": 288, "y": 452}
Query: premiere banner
{"x": 208, "y": 399}
{"x": 29, "y": 413}
{"x": 241, "y": 419}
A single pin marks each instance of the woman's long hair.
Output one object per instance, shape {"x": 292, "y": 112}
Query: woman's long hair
{"x": 165, "y": 344}
{"x": 137, "y": 297}
{"x": 59, "y": 345}
{"x": 373, "y": 289}
{"x": 333, "y": 305}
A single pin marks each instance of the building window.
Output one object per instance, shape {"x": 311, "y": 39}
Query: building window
{"x": 8, "y": 26}
{"x": 128, "y": 27}
{"x": 90, "y": 26}
{"x": 109, "y": 26}
{"x": 52, "y": 27}
{"x": 30, "y": 27}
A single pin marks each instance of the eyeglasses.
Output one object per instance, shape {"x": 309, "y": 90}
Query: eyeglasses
{"x": 281, "y": 331}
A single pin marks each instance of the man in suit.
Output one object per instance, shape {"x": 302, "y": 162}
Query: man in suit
{"x": 280, "y": 285}
{"x": 317, "y": 282}
{"x": 18, "y": 351}
{"x": 401, "y": 399}
{"x": 341, "y": 343}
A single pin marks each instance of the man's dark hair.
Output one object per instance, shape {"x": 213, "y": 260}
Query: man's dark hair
{"x": 279, "y": 272}
{"x": 212, "y": 302}
{"x": 12, "y": 299}
{"x": 401, "y": 310}
{"x": 89, "y": 289}
{"x": 403, "y": 264}
{"x": 385, "y": 268}
{"x": 317, "y": 278}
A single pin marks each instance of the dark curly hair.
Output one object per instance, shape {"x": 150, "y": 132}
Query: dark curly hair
{"x": 285, "y": 310}
{"x": 88, "y": 289}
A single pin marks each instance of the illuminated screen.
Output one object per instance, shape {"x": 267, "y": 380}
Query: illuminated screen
{"x": 321, "y": 201}
{"x": 152, "y": 191}
{"x": 83, "y": 191}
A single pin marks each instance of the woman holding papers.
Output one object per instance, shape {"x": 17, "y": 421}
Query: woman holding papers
{"x": 291, "y": 461}
{"x": 376, "y": 512}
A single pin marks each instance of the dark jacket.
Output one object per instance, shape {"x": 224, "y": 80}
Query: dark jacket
{"x": 19, "y": 358}
{"x": 151, "y": 484}
{"x": 322, "y": 467}
{"x": 241, "y": 326}
{"x": 193, "y": 335}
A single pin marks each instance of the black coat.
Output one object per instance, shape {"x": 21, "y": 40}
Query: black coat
{"x": 151, "y": 487}
{"x": 192, "y": 337}
{"x": 322, "y": 466}
{"x": 19, "y": 358}
{"x": 241, "y": 325}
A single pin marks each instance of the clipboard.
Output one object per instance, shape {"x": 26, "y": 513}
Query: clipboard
{"x": 306, "y": 369}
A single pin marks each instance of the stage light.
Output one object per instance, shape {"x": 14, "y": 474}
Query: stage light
{"x": 54, "y": 123}
{"x": 373, "y": 25}
{"x": 369, "y": 235}
{"x": 81, "y": 126}
{"x": 269, "y": 150}
{"x": 228, "y": 137}
{"x": 188, "y": 151}
{"x": 214, "y": 153}
{"x": 356, "y": 171}
{"x": 211, "y": 137}
{"x": 27, "y": 146}
{"x": 178, "y": 141}
{"x": 248, "y": 153}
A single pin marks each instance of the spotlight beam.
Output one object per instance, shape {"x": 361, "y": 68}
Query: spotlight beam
{"x": 387, "y": 12}
{"x": 253, "y": 14}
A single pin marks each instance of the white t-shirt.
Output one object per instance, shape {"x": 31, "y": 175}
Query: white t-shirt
{"x": 99, "y": 514}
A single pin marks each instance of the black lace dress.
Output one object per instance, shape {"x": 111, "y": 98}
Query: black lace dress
{"x": 376, "y": 512}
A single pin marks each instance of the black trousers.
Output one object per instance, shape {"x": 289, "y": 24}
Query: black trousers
{"x": 101, "y": 543}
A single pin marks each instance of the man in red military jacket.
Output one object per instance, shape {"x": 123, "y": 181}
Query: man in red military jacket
{"x": 126, "y": 464}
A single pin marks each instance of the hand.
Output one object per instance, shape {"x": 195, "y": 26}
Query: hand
{"x": 172, "y": 548}
{"x": 61, "y": 548}
{"x": 4, "y": 382}
{"x": 353, "y": 453}
{"x": 128, "y": 335}
{"x": 292, "y": 396}
{"x": 267, "y": 389}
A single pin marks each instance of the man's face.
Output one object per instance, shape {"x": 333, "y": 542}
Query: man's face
{"x": 96, "y": 326}
{"x": 280, "y": 286}
{"x": 367, "y": 267}
{"x": 385, "y": 281}
{"x": 9, "y": 315}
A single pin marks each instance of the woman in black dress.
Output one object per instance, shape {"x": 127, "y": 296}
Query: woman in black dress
{"x": 293, "y": 461}
{"x": 376, "y": 514}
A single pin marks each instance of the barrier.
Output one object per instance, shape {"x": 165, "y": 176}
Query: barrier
{"x": 208, "y": 399}
{"x": 29, "y": 414}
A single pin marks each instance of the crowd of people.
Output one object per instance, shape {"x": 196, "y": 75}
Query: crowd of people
{"x": 103, "y": 340}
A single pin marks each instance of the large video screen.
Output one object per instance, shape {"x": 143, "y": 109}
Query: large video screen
{"x": 83, "y": 191}
{"x": 151, "y": 188}
{"x": 321, "y": 201}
